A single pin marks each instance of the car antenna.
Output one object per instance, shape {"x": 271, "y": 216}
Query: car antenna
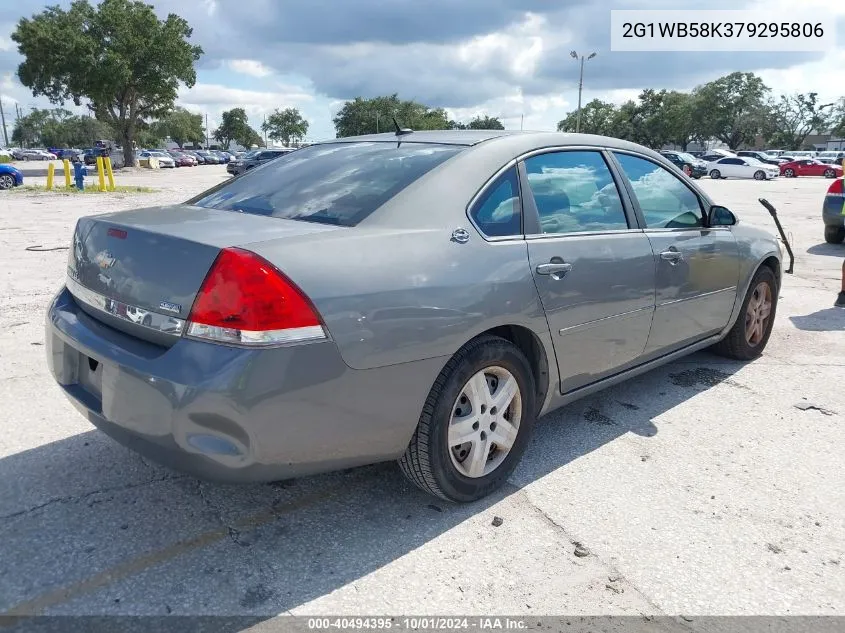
{"x": 401, "y": 131}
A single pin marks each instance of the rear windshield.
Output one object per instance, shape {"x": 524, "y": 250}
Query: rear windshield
{"x": 332, "y": 183}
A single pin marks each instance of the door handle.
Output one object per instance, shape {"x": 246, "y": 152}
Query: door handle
{"x": 556, "y": 270}
{"x": 673, "y": 257}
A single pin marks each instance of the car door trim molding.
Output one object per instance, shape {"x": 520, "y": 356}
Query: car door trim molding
{"x": 699, "y": 296}
{"x": 596, "y": 322}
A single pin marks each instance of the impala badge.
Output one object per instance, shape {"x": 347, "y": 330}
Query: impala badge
{"x": 170, "y": 307}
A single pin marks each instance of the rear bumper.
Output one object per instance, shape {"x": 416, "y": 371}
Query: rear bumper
{"x": 231, "y": 414}
{"x": 832, "y": 211}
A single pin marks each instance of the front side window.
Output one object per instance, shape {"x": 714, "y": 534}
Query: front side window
{"x": 331, "y": 183}
{"x": 574, "y": 191}
{"x": 496, "y": 212}
{"x": 666, "y": 202}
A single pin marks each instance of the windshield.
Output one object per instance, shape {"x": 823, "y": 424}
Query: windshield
{"x": 332, "y": 183}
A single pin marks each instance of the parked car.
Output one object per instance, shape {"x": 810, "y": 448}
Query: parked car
{"x": 810, "y": 167}
{"x": 528, "y": 289}
{"x": 832, "y": 213}
{"x": 687, "y": 163}
{"x": 165, "y": 160}
{"x": 224, "y": 157}
{"x": 35, "y": 154}
{"x": 741, "y": 167}
{"x": 712, "y": 157}
{"x": 763, "y": 157}
{"x": 256, "y": 158}
{"x": 208, "y": 157}
{"x": 182, "y": 159}
{"x": 10, "y": 176}
{"x": 193, "y": 153}
{"x": 115, "y": 153}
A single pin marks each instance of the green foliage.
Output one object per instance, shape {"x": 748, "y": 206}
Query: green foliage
{"x": 286, "y": 126}
{"x": 181, "y": 126}
{"x": 478, "y": 123}
{"x": 733, "y": 108}
{"x": 59, "y": 128}
{"x": 597, "y": 117}
{"x": 795, "y": 117}
{"x": 234, "y": 126}
{"x": 368, "y": 116}
{"x": 5, "y": 159}
{"x": 118, "y": 57}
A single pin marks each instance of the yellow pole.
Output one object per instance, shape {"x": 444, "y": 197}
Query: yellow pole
{"x": 66, "y": 163}
{"x": 109, "y": 172}
{"x": 51, "y": 170}
{"x": 101, "y": 173}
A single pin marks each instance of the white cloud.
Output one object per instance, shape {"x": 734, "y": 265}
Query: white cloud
{"x": 249, "y": 67}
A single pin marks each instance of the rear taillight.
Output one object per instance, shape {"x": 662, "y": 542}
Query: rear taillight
{"x": 835, "y": 188}
{"x": 245, "y": 300}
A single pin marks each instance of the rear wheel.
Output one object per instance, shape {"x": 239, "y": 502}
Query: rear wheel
{"x": 715, "y": 174}
{"x": 475, "y": 423}
{"x": 832, "y": 234}
{"x": 829, "y": 173}
{"x": 749, "y": 335}
{"x": 759, "y": 175}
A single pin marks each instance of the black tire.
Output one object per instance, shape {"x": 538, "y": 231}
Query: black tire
{"x": 715, "y": 174}
{"x": 696, "y": 177}
{"x": 829, "y": 173}
{"x": 7, "y": 181}
{"x": 735, "y": 345}
{"x": 426, "y": 462}
{"x": 789, "y": 173}
{"x": 759, "y": 175}
{"x": 834, "y": 234}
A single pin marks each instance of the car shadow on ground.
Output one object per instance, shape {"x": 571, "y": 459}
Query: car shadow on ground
{"x": 827, "y": 320}
{"x": 833, "y": 250}
{"x": 89, "y": 528}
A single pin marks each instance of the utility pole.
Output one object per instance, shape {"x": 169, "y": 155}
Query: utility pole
{"x": 206, "y": 130}
{"x": 521, "y": 121}
{"x": 574, "y": 55}
{"x": 3, "y": 119}
{"x": 264, "y": 129}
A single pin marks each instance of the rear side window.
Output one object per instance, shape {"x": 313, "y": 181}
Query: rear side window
{"x": 332, "y": 183}
{"x": 496, "y": 213}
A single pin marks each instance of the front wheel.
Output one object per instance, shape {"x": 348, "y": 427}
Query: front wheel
{"x": 748, "y": 337}
{"x": 789, "y": 173}
{"x": 759, "y": 175}
{"x": 715, "y": 174}
{"x": 7, "y": 181}
{"x": 475, "y": 423}
{"x": 832, "y": 234}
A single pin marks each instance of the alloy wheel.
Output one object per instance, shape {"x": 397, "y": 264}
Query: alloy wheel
{"x": 757, "y": 314}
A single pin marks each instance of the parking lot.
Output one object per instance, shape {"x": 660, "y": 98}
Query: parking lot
{"x": 698, "y": 488}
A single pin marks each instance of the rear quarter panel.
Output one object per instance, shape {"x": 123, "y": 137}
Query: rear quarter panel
{"x": 393, "y": 296}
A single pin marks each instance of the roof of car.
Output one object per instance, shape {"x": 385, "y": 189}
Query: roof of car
{"x": 525, "y": 139}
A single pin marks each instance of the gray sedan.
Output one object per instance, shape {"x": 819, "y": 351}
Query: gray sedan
{"x": 423, "y": 297}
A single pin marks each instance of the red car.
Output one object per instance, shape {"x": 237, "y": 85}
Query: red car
{"x": 183, "y": 160}
{"x": 810, "y": 167}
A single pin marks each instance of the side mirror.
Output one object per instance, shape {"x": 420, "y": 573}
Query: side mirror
{"x": 720, "y": 216}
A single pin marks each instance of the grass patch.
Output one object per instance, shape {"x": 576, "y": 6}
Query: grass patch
{"x": 74, "y": 191}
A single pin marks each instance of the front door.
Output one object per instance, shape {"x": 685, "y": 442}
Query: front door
{"x": 697, "y": 267}
{"x": 594, "y": 274}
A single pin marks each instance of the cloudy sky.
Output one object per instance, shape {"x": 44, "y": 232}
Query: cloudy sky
{"x": 504, "y": 58}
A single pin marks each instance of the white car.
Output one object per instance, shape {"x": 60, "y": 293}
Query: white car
{"x": 165, "y": 161}
{"x": 36, "y": 154}
{"x": 742, "y": 167}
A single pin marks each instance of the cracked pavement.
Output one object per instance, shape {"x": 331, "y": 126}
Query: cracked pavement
{"x": 699, "y": 488}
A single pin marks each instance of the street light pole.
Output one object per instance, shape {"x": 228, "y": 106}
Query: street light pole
{"x": 575, "y": 56}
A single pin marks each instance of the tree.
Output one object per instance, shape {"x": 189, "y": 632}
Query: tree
{"x": 683, "y": 120}
{"x": 795, "y": 117}
{"x": 234, "y": 126}
{"x": 59, "y": 128}
{"x": 485, "y": 123}
{"x": 181, "y": 126}
{"x": 118, "y": 57}
{"x": 369, "y": 116}
{"x": 597, "y": 117}
{"x": 733, "y": 108}
{"x": 285, "y": 125}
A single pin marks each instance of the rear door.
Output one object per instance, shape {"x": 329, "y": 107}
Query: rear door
{"x": 697, "y": 267}
{"x": 592, "y": 265}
